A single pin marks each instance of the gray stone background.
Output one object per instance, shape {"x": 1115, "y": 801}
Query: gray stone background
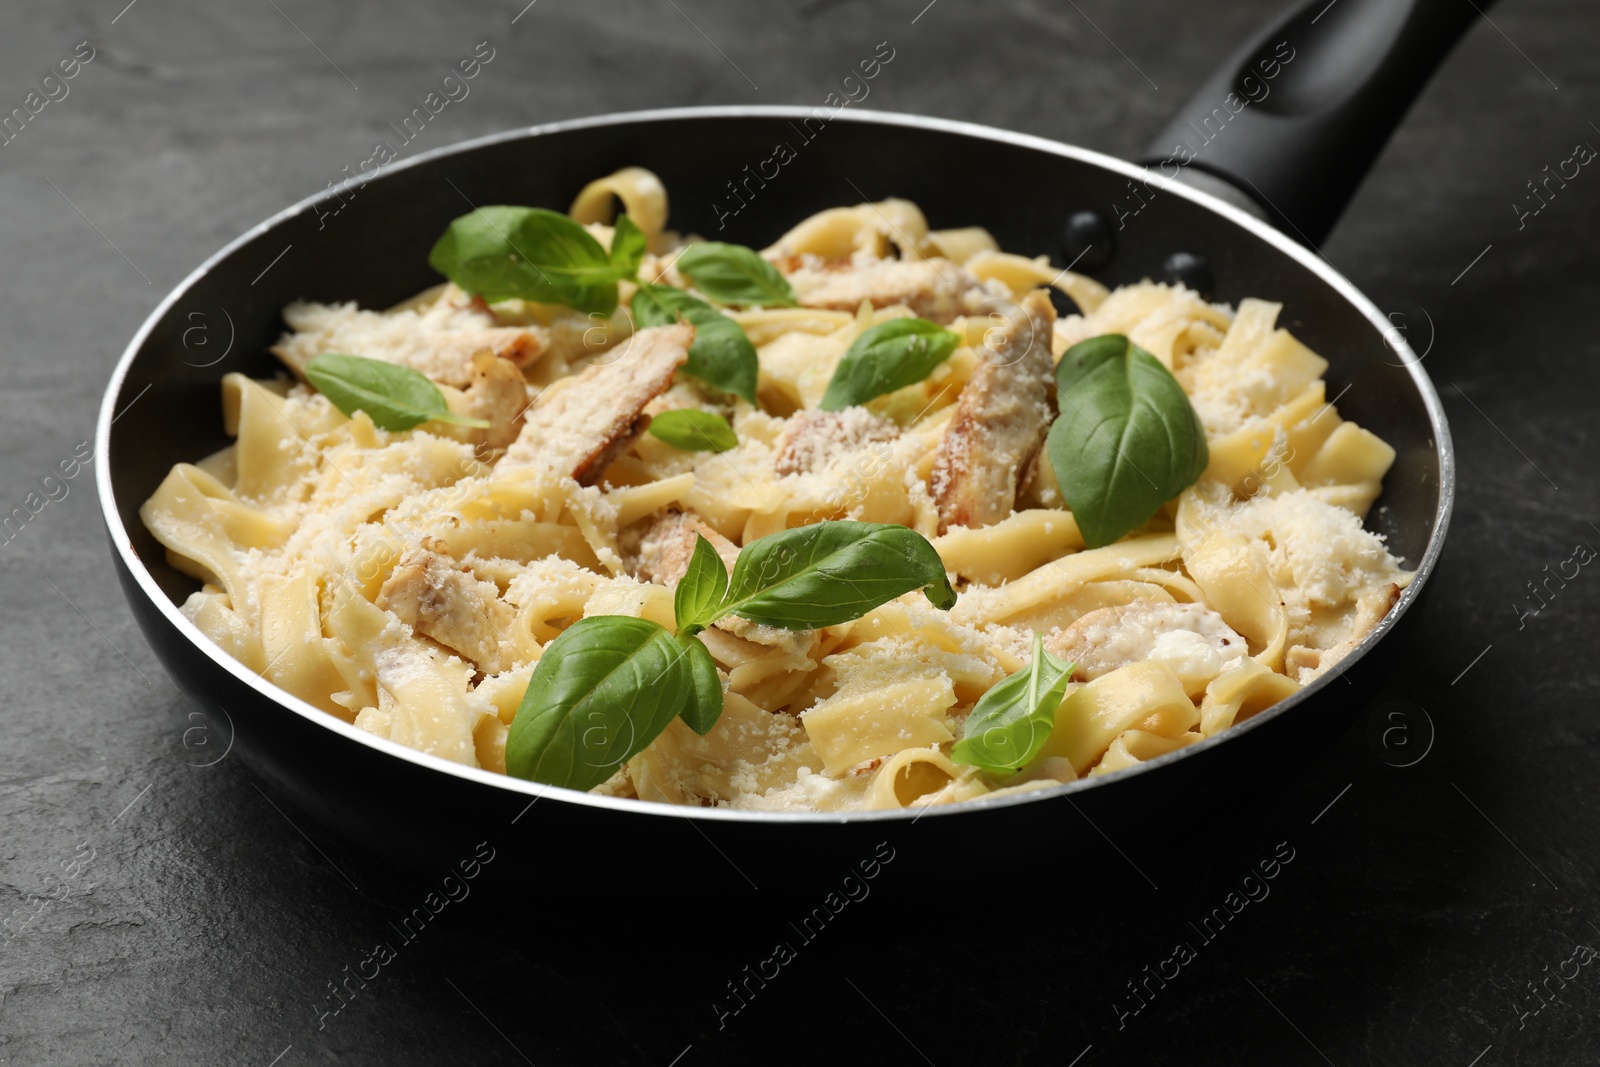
{"x": 164, "y": 913}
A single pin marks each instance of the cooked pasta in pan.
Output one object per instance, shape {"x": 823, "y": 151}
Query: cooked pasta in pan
{"x": 855, "y": 521}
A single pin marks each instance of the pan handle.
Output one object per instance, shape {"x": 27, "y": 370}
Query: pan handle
{"x": 1294, "y": 120}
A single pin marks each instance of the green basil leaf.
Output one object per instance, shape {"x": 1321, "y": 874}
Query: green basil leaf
{"x": 627, "y": 247}
{"x": 832, "y": 572}
{"x": 886, "y": 357}
{"x": 694, "y": 431}
{"x": 529, "y": 253}
{"x": 705, "y": 701}
{"x": 733, "y": 274}
{"x": 701, "y": 589}
{"x": 394, "y": 397}
{"x": 722, "y": 356}
{"x": 653, "y": 305}
{"x": 601, "y": 692}
{"x": 1127, "y": 440}
{"x": 1012, "y": 721}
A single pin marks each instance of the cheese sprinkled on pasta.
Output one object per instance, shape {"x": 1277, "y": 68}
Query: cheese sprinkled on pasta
{"x": 409, "y": 581}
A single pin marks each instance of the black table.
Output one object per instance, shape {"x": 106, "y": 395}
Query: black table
{"x": 165, "y": 911}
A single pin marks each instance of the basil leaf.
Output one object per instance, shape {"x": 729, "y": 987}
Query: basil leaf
{"x": 653, "y": 305}
{"x": 733, "y": 274}
{"x": 1127, "y": 441}
{"x": 694, "y": 431}
{"x": 832, "y": 572}
{"x": 394, "y": 397}
{"x": 722, "y": 356}
{"x": 701, "y": 589}
{"x": 705, "y": 701}
{"x": 1012, "y": 721}
{"x": 601, "y": 692}
{"x": 886, "y": 357}
{"x": 529, "y": 253}
{"x": 627, "y": 247}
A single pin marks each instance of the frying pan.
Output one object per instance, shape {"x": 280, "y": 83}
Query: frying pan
{"x": 1293, "y": 155}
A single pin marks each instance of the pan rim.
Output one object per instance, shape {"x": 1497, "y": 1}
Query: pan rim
{"x": 1307, "y": 258}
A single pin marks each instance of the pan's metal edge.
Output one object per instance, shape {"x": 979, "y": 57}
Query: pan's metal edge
{"x": 123, "y": 546}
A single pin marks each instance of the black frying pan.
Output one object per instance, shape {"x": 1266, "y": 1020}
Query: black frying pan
{"x": 1293, "y": 154}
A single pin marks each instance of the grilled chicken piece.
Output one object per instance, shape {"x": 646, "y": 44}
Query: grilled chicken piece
{"x": 934, "y": 289}
{"x": 1000, "y": 421}
{"x": 813, "y": 440}
{"x": 498, "y": 394}
{"x": 440, "y": 341}
{"x": 437, "y": 597}
{"x": 664, "y": 550}
{"x": 583, "y": 423}
{"x": 1190, "y": 638}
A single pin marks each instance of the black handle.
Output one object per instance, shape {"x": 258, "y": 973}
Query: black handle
{"x": 1295, "y": 119}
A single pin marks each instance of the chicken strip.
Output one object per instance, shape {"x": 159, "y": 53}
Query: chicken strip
{"x": 439, "y": 598}
{"x": 1000, "y": 421}
{"x": 578, "y": 427}
{"x": 814, "y": 440}
{"x": 498, "y": 394}
{"x": 664, "y": 550}
{"x": 934, "y": 289}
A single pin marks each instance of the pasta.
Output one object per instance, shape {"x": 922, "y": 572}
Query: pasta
{"x": 409, "y": 581}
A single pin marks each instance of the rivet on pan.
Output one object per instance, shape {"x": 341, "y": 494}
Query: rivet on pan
{"x": 1087, "y": 240}
{"x": 1186, "y": 268}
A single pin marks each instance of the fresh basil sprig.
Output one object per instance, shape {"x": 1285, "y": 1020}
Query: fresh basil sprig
{"x": 722, "y": 356}
{"x": 829, "y": 573}
{"x": 530, "y": 253}
{"x": 1127, "y": 440}
{"x": 886, "y": 357}
{"x": 733, "y": 274}
{"x": 608, "y": 686}
{"x": 602, "y": 691}
{"x": 394, "y": 397}
{"x": 694, "y": 431}
{"x": 1012, "y": 721}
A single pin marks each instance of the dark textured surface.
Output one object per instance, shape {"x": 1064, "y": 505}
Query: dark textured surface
{"x": 161, "y": 911}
